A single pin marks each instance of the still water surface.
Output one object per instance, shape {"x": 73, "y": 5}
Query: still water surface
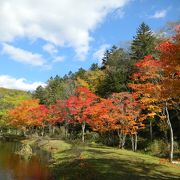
{"x": 14, "y": 167}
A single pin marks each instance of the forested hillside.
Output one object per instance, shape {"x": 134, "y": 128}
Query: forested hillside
{"x": 10, "y": 98}
{"x": 130, "y": 101}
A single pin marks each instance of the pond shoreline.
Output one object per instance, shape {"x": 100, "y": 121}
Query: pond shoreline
{"x": 21, "y": 161}
{"x": 12, "y": 138}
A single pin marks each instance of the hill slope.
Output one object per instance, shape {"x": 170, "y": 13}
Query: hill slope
{"x": 93, "y": 161}
{"x": 10, "y": 97}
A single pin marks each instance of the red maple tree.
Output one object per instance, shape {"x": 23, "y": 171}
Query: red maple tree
{"x": 78, "y": 104}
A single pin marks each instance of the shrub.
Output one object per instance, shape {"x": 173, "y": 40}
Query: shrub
{"x": 92, "y": 136}
{"x": 158, "y": 148}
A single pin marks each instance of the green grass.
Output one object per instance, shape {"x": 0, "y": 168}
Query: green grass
{"x": 93, "y": 161}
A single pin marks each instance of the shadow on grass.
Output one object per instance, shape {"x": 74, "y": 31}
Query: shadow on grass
{"x": 94, "y": 169}
{"x": 106, "y": 167}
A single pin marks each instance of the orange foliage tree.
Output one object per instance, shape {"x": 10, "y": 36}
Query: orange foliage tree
{"x": 170, "y": 83}
{"x": 129, "y": 117}
{"x": 101, "y": 116}
{"x": 157, "y": 81}
{"x": 145, "y": 85}
{"x": 78, "y": 104}
{"x": 28, "y": 114}
{"x": 58, "y": 114}
{"x": 38, "y": 116}
{"x": 120, "y": 113}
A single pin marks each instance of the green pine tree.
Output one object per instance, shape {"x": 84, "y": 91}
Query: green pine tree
{"x": 117, "y": 68}
{"x": 143, "y": 43}
{"x": 41, "y": 94}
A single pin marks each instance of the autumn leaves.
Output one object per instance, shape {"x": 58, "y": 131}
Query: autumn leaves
{"x": 121, "y": 112}
{"x": 153, "y": 90}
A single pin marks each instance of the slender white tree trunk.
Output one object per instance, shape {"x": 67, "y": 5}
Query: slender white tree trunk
{"x": 83, "y": 131}
{"x": 135, "y": 142}
{"x": 123, "y": 140}
{"x": 132, "y": 141}
{"x": 42, "y": 131}
{"x": 119, "y": 135}
{"x": 150, "y": 129}
{"x": 53, "y": 130}
{"x": 171, "y": 134}
{"x": 66, "y": 129}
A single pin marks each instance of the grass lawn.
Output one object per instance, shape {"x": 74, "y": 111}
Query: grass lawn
{"x": 93, "y": 161}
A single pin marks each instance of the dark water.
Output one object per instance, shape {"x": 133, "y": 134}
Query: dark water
{"x": 14, "y": 167}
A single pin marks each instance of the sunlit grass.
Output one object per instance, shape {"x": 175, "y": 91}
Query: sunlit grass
{"x": 93, "y": 161}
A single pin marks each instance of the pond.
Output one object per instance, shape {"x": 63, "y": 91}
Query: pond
{"x": 14, "y": 167}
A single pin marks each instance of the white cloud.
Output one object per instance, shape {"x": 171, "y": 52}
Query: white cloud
{"x": 60, "y": 22}
{"x": 118, "y": 14}
{"x": 58, "y": 59}
{"x": 53, "y": 51}
{"x": 50, "y": 48}
{"x": 98, "y": 55}
{"x": 13, "y": 83}
{"x": 23, "y": 56}
{"x": 159, "y": 14}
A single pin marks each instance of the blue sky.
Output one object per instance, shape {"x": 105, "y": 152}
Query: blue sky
{"x": 39, "y": 39}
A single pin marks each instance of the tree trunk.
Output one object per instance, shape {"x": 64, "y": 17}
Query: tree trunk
{"x": 150, "y": 129}
{"x": 9, "y": 131}
{"x": 109, "y": 137}
{"x": 50, "y": 129}
{"x": 42, "y": 131}
{"x": 53, "y": 130}
{"x": 132, "y": 141}
{"x": 24, "y": 133}
{"x": 171, "y": 135}
{"x": 83, "y": 130}
{"x": 135, "y": 142}
{"x": 65, "y": 130}
{"x": 123, "y": 140}
{"x": 31, "y": 130}
{"x": 119, "y": 135}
